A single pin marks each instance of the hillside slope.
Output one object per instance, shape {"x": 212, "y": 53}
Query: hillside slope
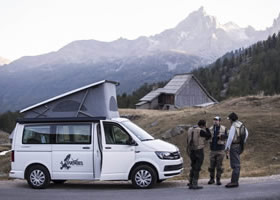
{"x": 244, "y": 72}
{"x": 261, "y": 114}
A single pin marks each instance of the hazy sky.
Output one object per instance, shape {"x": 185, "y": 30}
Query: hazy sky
{"x": 32, "y": 27}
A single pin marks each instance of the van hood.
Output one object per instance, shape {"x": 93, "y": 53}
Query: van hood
{"x": 159, "y": 145}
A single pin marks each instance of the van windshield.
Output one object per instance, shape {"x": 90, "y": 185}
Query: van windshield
{"x": 137, "y": 131}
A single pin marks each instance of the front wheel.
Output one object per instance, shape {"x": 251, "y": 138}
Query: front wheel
{"x": 38, "y": 177}
{"x": 143, "y": 177}
{"x": 58, "y": 181}
{"x": 160, "y": 181}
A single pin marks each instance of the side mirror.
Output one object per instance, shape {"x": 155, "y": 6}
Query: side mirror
{"x": 132, "y": 142}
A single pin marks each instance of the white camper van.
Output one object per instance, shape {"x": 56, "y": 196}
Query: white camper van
{"x": 57, "y": 150}
{"x": 79, "y": 145}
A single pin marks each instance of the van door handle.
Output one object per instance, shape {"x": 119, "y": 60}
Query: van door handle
{"x": 86, "y": 148}
{"x": 108, "y": 147}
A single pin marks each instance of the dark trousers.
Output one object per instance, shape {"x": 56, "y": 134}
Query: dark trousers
{"x": 234, "y": 153}
{"x": 216, "y": 162}
{"x": 197, "y": 157}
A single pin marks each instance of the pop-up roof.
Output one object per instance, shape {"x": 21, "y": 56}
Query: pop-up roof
{"x": 94, "y": 100}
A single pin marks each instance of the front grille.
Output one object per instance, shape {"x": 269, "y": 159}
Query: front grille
{"x": 173, "y": 167}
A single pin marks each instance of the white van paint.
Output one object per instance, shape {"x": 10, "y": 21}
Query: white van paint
{"x": 100, "y": 159}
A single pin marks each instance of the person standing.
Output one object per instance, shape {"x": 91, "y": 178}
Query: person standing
{"x": 238, "y": 135}
{"x": 217, "y": 146}
{"x": 196, "y": 140}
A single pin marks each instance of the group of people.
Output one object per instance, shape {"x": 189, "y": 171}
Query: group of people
{"x": 222, "y": 143}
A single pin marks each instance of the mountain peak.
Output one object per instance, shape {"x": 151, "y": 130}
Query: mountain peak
{"x": 197, "y": 18}
{"x": 201, "y": 10}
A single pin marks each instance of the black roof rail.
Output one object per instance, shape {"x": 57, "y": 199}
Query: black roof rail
{"x": 57, "y": 120}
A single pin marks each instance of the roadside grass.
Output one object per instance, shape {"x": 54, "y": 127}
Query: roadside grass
{"x": 5, "y": 166}
{"x": 261, "y": 115}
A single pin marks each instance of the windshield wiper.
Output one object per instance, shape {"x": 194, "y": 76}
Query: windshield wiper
{"x": 147, "y": 139}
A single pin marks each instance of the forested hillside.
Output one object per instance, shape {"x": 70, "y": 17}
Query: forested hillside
{"x": 254, "y": 70}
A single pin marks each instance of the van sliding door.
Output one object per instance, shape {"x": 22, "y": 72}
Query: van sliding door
{"x": 72, "y": 152}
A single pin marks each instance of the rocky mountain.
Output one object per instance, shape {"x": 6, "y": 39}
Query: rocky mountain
{"x": 23, "y": 86}
{"x": 199, "y": 34}
{"x": 196, "y": 41}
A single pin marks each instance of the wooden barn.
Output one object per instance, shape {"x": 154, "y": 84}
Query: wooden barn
{"x": 183, "y": 90}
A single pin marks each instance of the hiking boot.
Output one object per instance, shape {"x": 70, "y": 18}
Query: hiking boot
{"x": 232, "y": 185}
{"x": 195, "y": 187}
{"x": 211, "y": 181}
{"x": 218, "y": 181}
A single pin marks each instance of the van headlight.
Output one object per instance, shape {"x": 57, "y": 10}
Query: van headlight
{"x": 168, "y": 155}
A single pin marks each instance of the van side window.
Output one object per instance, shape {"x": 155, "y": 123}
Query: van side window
{"x": 114, "y": 134}
{"x": 36, "y": 135}
{"x": 73, "y": 134}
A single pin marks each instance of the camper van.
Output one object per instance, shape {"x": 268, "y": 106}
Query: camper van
{"x": 57, "y": 150}
{"x": 57, "y": 141}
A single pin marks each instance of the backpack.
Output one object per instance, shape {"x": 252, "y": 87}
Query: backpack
{"x": 242, "y": 135}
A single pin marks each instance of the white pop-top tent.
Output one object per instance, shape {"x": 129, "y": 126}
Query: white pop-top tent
{"x": 94, "y": 100}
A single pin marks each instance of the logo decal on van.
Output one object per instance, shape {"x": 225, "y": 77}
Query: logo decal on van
{"x": 67, "y": 163}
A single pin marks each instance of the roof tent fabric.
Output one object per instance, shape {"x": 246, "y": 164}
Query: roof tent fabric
{"x": 94, "y": 100}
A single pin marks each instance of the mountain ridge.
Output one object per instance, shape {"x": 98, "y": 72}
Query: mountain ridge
{"x": 194, "y": 42}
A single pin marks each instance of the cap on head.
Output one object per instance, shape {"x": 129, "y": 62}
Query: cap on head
{"x": 232, "y": 116}
{"x": 217, "y": 118}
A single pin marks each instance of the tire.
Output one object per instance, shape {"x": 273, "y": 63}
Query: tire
{"x": 160, "y": 181}
{"x": 143, "y": 177}
{"x": 38, "y": 177}
{"x": 58, "y": 181}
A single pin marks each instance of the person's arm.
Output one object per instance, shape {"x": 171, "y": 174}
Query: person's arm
{"x": 206, "y": 134}
{"x": 230, "y": 137}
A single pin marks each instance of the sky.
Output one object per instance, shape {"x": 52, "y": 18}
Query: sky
{"x": 33, "y": 27}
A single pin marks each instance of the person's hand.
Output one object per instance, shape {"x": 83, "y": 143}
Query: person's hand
{"x": 227, "y": 153}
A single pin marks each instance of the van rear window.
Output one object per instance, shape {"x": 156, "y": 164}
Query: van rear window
{"x": 36, "y": 135}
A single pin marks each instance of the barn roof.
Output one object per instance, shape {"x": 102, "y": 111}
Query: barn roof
{"x": 174, "y": 86}
{"x": 151, "y": 95}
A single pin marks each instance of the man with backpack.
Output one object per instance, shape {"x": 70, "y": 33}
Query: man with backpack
{"x": 196, "y": 141}
{"x": 217, "y": 146}
{"x": 238, "y": 135}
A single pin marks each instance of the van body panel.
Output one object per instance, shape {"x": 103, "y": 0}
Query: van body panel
{"x": 99, "y": 159}
{"x": 117, "y": 158}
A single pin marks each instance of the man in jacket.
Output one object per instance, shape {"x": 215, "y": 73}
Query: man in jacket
{"x": 217, "y": 153}
{"x": 234, "y": 148}
{"x": 196, "y": 140}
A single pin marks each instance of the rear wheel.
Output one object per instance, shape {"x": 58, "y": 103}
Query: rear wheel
{"x": 38, "y": 177}
{"x": 58, "y": 181}
{"x": 143, "y": 177}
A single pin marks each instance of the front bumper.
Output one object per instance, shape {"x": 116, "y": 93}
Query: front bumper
{"x": 170, "y": 168}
